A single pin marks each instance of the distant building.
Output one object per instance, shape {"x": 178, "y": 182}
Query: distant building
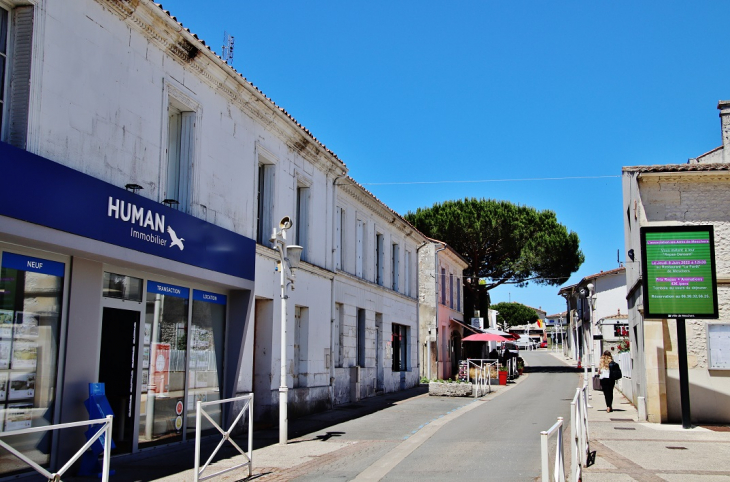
{"x": 441, "y": 309}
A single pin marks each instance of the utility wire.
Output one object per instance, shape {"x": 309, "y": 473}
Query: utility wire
{"x": 484, "y": 180}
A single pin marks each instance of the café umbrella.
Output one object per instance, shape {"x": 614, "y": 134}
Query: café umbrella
{"x": 486, "y": 337}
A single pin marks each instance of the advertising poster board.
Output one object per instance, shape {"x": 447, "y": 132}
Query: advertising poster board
{"x": 678, "y": 266}
{"x": 160, "y": 369}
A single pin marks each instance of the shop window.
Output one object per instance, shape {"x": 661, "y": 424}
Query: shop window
{"x": 164, "y": 355}
{"x": 31, "y": 294}
{"x": 122, "y": 287}
{"x": 16, "y": 45}
{"x": 206, "y": 356}
{"x": 400, "y": 347}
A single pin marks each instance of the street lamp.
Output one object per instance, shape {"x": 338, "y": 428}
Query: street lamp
{"x": 592, "y": 304}
{"x": 289, "y": 257}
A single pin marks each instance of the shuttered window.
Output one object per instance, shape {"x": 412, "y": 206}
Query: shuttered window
{"x": 15, "y": 67}
{"x": 181, "y": 136}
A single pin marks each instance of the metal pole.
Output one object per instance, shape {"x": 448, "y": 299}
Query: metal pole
{"x": 683, "y": 373}
{"x": 283, "y": 389}
{"x": 196, "y": 472}
{"x": 544, "y": 456}
{"x": 107, "y": 449}
{"x": 250, "y": 436}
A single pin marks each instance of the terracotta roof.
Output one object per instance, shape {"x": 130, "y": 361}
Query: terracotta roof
{"x": 236, "y": 73}
{"x": 605, "y": 273}
{"x": 715, "y": 166}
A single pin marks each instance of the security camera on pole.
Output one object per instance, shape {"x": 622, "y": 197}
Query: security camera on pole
{"x": 289, "y": 257}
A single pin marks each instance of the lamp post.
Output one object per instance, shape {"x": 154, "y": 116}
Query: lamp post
{"x": 289, "y": 257}
{"x": 592, "y": 304}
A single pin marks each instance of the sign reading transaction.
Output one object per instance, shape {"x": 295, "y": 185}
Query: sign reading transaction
{"x": 40, "y": 191}
{"x": 678, "y": 266}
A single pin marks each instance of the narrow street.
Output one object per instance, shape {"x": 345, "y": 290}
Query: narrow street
{"x": 429, "y": 438}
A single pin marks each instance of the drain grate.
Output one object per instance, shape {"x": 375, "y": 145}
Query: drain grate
{"x": 677, "y": 448}
{"x": 624, "y": 428}
{"x": 621, "y": 419}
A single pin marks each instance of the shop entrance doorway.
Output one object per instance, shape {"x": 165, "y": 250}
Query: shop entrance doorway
{"x": 117, "y": 370}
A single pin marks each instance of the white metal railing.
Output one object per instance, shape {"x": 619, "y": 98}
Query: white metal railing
{"x": 105, "y": 430}
{"x": 624, "y": 361}
{"x": 482, "y": 379}
{"x": 579, "y": 432}
{"x": 197, "y": 474}
{"x": 559, "y": 466}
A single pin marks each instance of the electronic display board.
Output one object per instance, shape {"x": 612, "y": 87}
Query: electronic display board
{"x": 678, "y": 266}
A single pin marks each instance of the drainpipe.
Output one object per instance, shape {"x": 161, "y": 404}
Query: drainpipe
{"x": 332, "y": 289}
{"x": 436, "y": 293}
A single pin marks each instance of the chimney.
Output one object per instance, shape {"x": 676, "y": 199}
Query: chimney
{"x": 724, "y": 107}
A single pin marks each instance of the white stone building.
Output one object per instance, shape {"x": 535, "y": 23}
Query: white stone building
{"x": 143, "y": 178}
{"x": 695, "y": 193}
{"x": 441, "y": 309}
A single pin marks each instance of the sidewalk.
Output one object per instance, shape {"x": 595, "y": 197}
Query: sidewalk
{"x": 304, "y": 452}
{"x": 629, "y": 450}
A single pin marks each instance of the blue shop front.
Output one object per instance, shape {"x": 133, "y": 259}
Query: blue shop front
{"x": 100, "y": 284}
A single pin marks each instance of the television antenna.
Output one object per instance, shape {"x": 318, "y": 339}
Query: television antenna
{"x": 228, "y": 42}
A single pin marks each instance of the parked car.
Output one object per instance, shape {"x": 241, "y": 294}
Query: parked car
{"x": 525, "y": 343}
{"x": 543, "y": 344}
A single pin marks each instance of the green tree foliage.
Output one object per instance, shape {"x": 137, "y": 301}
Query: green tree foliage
{"x": 511, "y": 314}
{"x": 503, "y": 243}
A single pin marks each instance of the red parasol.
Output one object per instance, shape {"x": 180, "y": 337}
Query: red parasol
{"x": 485, "y": 337}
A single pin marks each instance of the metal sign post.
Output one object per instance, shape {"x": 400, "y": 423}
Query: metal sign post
{"x": 683, "y": 373}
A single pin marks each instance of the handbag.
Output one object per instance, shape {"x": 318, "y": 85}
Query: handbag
{"x": 597, "y": 383}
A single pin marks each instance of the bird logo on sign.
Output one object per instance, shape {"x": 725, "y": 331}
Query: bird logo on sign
{"x": 175, "y": 240}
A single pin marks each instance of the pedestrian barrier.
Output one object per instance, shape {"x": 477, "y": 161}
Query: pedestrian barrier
{"x": 198, "y": 472}
{"x": 579, "y": 432}
{"x": 559, "y": 466}
{"x": 483, "y": 378}
{"x": 105, "y": 430}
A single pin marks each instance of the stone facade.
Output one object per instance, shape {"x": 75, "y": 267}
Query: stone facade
{"x": 679, "y": 194}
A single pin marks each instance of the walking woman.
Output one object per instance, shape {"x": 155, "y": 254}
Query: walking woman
{"x": 607, "y": 381}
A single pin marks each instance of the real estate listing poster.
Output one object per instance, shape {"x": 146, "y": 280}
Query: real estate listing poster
{"x": 5, "y": 350}
{"x": 22, "y": 385}
{"x": 25, "y": 355}
{"x": 26, "y": 324}
{"x": 6, "y": 323}
{"x": 3, "y": 386}
{"x": 18, "y": 416}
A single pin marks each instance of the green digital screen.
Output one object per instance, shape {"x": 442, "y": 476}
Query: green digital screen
{"x": 679, "y": 272}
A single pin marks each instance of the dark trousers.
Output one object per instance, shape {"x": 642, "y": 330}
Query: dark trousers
{"x": 607, "y": 387}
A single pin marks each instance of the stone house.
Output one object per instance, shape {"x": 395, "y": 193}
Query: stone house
{"x": 694, "y": 193}
{"x": 441, "y": 309}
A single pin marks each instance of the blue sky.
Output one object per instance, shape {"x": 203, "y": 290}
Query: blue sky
{"x": 412, "y": 92}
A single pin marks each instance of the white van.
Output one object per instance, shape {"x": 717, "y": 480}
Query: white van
{"x": 525, "y": 343}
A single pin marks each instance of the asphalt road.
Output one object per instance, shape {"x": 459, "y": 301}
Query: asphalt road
{"x": 430, "y": 438}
